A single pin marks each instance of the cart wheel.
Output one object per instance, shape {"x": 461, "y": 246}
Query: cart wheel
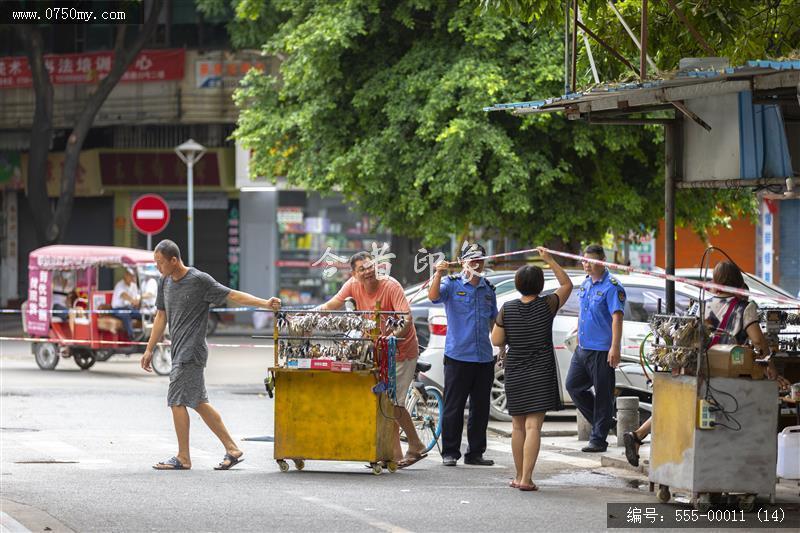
{"x": 747, "y": 503}
{"x": 376, "y": 468}
{"x": 84, "y": 359}
{"x": 283, "y": 465}
{"x": 703, "y": 502}
{"x": 46, "y": 354}
{"x": 391, "y": 466}
{"x": 299, "y": 464}
{"x": 663, "y": 494}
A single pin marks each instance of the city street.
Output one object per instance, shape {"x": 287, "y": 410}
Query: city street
{"x": 77, "y": 449}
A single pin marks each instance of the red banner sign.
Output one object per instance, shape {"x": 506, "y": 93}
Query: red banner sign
{"x": 91, "y": 67}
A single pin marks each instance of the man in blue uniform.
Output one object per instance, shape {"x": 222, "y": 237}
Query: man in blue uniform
{"x": 471, "y": 308}
{"x": 602, "y": 303}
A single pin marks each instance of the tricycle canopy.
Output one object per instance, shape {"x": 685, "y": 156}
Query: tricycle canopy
{"x": 76, "y": 257}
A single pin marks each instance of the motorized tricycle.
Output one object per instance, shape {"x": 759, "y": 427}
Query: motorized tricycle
{"x": 68, "y": 315}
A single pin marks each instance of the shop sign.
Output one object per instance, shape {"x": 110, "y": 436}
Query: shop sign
{"x": 92, "y": 67}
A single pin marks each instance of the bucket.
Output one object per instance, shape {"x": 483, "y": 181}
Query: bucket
{"x": 789, "y": 453}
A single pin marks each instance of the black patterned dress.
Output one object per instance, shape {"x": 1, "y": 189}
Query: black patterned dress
{"x": 531, "y": 378}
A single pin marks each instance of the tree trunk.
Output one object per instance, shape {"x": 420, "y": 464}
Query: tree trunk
{"x": 41, "y": 132}
{"x": 55, "y": 226}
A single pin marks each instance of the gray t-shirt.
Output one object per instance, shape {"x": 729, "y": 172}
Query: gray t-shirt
{"x": 186, "y": 303}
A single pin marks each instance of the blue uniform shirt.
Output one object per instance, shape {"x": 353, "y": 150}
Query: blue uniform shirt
{"x": 598, "y": 301}
{"x": 470, "y": 309}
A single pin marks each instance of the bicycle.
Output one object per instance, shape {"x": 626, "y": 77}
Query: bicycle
{"x": 425, "y": 404}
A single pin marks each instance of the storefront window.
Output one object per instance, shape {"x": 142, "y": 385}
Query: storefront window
{"x": 317, "y": 235}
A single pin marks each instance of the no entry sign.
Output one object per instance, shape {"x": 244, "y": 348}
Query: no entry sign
{"x": 150, "y": 214}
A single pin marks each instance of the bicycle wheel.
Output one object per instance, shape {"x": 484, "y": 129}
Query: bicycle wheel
{"x": 427, "y": 416}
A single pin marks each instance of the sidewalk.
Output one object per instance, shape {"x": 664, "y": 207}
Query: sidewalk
{"x": 553, "y": 427}
{"x": 613, "y": 461}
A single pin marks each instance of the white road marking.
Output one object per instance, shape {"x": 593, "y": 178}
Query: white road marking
{"x": 361, "y": 517}
{"x": 9, "y": 525}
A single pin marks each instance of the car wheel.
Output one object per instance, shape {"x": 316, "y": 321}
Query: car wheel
{"x": 497, "y": 406}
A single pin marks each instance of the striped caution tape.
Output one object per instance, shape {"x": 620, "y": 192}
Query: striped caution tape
{"x": 124, "y": 343}
{"x": 662, "y": 275}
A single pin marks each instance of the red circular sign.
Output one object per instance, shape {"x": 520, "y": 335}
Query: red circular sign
{"x": 150, "y": 214}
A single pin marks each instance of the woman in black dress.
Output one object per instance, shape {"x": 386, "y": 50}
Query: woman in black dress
{"x": 531, "y": 381}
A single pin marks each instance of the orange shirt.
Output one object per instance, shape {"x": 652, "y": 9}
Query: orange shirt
{"x": 392, "y": 297}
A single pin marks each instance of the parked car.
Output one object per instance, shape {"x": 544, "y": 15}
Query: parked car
{"x": 503, "y": 280}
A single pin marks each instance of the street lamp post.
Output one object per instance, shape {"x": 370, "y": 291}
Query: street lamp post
{"x": 190, "y": 153}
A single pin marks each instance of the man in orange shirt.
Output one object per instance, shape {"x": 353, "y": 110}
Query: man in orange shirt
{"x": 366, "y": 289}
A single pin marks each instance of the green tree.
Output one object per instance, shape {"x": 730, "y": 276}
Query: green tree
{"x": 737, "y": 29}
{"x": 383, "y": 102}
{"x": 50, "y": 225}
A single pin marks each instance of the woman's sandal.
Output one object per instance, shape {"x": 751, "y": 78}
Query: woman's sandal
{"x": 631, "y": 439}
{"x": 527, "y": 488}
{"x": 513, "y": 484}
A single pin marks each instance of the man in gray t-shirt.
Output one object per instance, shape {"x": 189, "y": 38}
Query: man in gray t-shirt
{"x": 186, "y": 302}
{"x": 185, "y": 296}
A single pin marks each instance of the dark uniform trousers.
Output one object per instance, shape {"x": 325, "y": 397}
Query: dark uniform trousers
{"x": 590, "y": 368}
{"x": 464, "y": 380}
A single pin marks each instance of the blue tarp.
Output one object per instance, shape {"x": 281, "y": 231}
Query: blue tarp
{"x": 764, "y": 149}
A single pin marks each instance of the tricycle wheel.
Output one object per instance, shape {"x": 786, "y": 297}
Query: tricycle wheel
{"x": 299, "y": 464}
{"x": 663, "y": 494}
{"x": 283, "y": 465}
{"x": 46, "y": 354}
{"x": 162, "y": 360}
{"x": 376, "y": 468}
{"x": 391, "y": 466}
{"x": 84, "y": 359}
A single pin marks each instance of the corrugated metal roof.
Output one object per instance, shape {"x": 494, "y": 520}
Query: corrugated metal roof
{"x": 683, "y": 85}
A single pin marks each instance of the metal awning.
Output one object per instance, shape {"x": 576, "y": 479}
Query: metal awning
{"x": 762, "y": 78}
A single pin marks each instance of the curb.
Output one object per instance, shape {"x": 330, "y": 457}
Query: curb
{"x": 29, "y": 518}
{"x": 621, "y": 463}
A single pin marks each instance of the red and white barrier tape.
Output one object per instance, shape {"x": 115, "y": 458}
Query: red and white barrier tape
{"x": 661, "y": 275}
{"x": 128, "y": 311}
{"x": 124, "y": 343}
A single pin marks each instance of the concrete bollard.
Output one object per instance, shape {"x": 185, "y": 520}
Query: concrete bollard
{"x": 584, "y": 427}
{"x": 627, "y": 416}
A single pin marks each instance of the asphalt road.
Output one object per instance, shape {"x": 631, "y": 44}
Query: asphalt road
{"x": 77, "y": 447}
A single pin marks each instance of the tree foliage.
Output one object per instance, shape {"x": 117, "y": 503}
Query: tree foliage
{"x": 51, "y": 225}
{"x": 737, "y": 29}
{"x": 383, "y": 101}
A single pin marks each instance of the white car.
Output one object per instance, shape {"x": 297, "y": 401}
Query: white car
{"x": 644, "y": 296}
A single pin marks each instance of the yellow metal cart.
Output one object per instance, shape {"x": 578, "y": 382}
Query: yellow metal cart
{"x": 332, "y": 414}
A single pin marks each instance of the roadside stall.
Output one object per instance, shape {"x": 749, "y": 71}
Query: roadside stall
{"x": 67, "y": 315}
{"x": 714, "y": 415}
{"x": 333, "y": 380}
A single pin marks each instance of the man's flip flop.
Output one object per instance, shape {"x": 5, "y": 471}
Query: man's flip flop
{"x": 231, "y": 462}
{"x": 631, "y": 439}
{"x": 411, "y": 459}
{"x": 170, "y": 464}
